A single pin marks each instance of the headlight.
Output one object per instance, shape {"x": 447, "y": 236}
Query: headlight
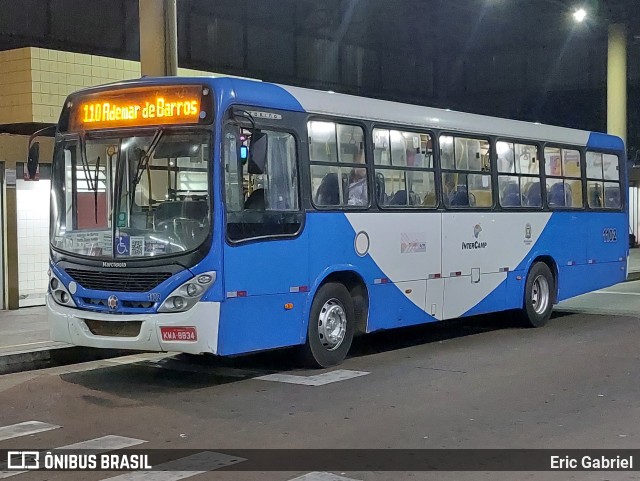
{"x": 59, "y": 292}
{"x": 188, "y": 294}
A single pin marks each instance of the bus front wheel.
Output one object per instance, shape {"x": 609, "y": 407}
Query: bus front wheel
{"x": 331, "y": 326}
{"x": 538, "y": 296}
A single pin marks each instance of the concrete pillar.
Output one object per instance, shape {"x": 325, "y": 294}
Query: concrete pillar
{"x": 617, "y": 81}
{"x": 12, "y": 289}
{"x": 158, "y": 37}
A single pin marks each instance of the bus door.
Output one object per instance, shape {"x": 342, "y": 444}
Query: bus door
{"x": 266, "y": 253}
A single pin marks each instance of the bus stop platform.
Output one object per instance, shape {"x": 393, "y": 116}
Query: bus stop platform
{"x": 25, "y": 343}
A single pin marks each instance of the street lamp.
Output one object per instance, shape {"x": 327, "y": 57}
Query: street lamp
{"x": 579, "y": 15}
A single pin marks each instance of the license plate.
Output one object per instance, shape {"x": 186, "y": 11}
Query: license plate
{"x": 179, "y": 334}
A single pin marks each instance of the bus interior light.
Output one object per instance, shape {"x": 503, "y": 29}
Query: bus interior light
{"x": 244, "y": 153}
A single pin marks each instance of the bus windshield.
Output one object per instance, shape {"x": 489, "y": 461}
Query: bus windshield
{"x": 131, "y": 196}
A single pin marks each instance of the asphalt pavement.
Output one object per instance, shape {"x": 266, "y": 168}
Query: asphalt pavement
{"x": 473, "y": 383}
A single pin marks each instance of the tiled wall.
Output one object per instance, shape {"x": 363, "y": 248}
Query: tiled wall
{"x": 34, "y": 82}
{"x": 32, "y": 199}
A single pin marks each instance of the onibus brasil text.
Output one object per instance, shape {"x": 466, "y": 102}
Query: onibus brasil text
{"x": 72, "y": 461}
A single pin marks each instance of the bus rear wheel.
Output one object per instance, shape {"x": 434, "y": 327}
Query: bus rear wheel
{"x": 538, "y": 296}
{"x": 331, "y": 326}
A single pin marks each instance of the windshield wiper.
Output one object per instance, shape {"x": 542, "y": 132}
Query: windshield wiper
{"x": 143, "y": 164}
{"x": 92, "y": 182}
{"x": 143, "y": 161}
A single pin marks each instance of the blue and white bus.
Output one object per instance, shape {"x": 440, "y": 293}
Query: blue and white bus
{"x": 227, "y": 216}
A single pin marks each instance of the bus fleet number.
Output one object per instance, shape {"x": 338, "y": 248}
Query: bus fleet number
{"x": 610, "y": 234}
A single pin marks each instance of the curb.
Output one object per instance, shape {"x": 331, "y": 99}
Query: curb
{"x": 633, "y": 276}
{"x": 46, "y": 357}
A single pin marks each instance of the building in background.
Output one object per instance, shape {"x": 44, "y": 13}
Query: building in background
{"x": 34, "y": 83}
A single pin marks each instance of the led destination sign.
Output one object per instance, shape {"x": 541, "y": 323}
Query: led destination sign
{"x": 139, "y": 107}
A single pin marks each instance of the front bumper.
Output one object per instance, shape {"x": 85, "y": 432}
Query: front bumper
{"x": 67, "y": 325}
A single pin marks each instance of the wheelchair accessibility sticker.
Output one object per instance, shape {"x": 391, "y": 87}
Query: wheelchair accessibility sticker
{"x": 123, "y": 245}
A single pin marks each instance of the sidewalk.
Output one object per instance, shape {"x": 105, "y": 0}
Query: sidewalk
{"x": 25, "y": 343}
{"x": 634, "y": 264}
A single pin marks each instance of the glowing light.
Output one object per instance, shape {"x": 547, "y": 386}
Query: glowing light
{"x": 137, "y": 106}
{"x": 579, "y": 15}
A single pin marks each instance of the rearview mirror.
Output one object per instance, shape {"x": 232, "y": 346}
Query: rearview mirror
{"x": 258, "y": 150}
{"x": 33, "y": 160}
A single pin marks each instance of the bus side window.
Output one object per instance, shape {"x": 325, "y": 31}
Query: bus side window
{"x": 466, "y": 177}
{"x": 403, "y": 170}
{"x": 261, "y": 201}
{"x": 338, "y": 166}
{"x": 603, "y": 186}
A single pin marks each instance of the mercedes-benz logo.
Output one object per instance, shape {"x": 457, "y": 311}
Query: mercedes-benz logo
{"x": 112, "y": 302}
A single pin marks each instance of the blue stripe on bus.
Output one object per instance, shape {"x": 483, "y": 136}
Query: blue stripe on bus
{"x": 256, "y": 94}
{"x": 598, "y": 140}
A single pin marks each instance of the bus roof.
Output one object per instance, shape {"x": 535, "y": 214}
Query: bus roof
{"x": 269, "y": 95}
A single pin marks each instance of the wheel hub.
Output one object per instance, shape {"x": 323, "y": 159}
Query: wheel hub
{"x": 332, "y": 324}
{"x": 540, "y": 295}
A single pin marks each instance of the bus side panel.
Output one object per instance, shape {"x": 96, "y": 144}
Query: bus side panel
{"x": 260, "y": 277}
{"x": 565, "y": 238}
{"x": 260, "y": 322}
{"x": 480, "y": 251}
{"x": 389, "y": 308}
{"x": 608, "y": 239}
{"x": 458, "y": 287}
{"x": 400, "y": 300}
{"x": 576, "y": 280}
{"x": 572, "y": 239}
{"x": 606, "y": 255}
{"x": 508, "y": 295}
{"x": 265, "y": 267}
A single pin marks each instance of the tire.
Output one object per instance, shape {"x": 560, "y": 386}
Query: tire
{"x": 331, "y": 327}
{"x": 539, "y": 294}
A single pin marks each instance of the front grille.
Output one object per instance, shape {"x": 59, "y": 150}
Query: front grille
{"x": 128, "y": 304}
{"x": 118, "y": 281}
{"x": 114, "y": 328}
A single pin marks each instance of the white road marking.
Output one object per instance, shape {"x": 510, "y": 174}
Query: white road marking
{"x": 24, "y": 429}
{"x": 317, "y": 380}
{"x": 321, "y": 476}
{"x": 182, "y": 468}
{"x": 137, "y": 358}
{"x": 28, "y": 344}
{"x": 105, "y": 443}
{"x": 618, "y": 292}
{"x": 97, "y": 446}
